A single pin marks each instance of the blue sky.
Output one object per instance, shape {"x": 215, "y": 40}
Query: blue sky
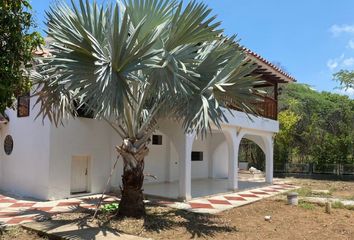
{"x": 311, "y": 39}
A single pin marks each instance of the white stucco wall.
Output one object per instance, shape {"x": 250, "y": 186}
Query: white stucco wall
{"x": 1, "y": 156}
{"x": 219, "y": 156}
{"x": 118, "y": 171}
{"x": 81, "y": 136}
{"x": 242, "y": 120}
{"x": 157, "y": 161}
{"x": 200, "y": 169}
{"x": 26, "y": 171}
{"x": 173, "y": 163}
{"x": 40, "y": 165}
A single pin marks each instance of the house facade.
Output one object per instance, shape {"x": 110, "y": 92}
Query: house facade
{"x": 46, "y": 162}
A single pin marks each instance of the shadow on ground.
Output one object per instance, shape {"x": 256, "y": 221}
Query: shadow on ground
{"x": 157, "y": 220}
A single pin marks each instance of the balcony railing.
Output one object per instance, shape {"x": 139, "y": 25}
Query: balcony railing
{"x": 267, "y": 108}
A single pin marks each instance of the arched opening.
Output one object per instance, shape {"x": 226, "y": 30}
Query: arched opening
{"x": 191, "y": 166}
{"x": 251, "y": 154}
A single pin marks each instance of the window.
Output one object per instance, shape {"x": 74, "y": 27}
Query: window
{"x": 156, "y": 139}
{"x": 82, "y": 111}
{"x": 197, "y": 156}
{"x": 23, "y": 105}
{"x": 8, "y": 144}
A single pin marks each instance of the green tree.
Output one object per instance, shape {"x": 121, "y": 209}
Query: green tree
{"x": 324, "y": 129}
{"x": 135, "y": 62}
{"x": 288, "y": 120}
{"x": 345, "y": 78}
{"x": 16, "y": 45}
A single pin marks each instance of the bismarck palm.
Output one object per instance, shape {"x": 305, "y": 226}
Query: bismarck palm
{"x": 134, "y": 62}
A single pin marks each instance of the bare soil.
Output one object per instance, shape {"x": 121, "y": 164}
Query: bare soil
{"x": 338, "y": 189}
{"x": 19, "y": 233}
{"x": 247, "y": 222}
{"x": 306, "y": 221}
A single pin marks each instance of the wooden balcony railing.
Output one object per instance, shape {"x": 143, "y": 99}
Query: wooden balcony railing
{"x": 267, "y": 108}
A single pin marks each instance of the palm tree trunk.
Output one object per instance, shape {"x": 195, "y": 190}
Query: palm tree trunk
{"x": 132, "y": 200}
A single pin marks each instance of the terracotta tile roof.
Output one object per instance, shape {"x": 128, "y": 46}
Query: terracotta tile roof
{"x": 45, "y": 52}
{"x": 269, "y": 64}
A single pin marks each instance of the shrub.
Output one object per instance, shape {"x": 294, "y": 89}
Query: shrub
{"x": 109, "y": 208}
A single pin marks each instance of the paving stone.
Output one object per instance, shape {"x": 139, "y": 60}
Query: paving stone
{"x": 215, "y": 201}
{"x": 15, "y": 211}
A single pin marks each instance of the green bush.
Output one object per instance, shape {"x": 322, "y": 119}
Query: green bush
{"x": 109, "y": 208}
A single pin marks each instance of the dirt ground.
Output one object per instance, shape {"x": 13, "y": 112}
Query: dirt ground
{"x": 19, "y": 233}
{"x": 305, "y": 221}
{"x": 338, "y": 189}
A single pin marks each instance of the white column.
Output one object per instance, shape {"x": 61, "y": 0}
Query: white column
{"x": 233, "y": 139}
{"x": 269, "y": 159}
{"x": 185, "y": 167}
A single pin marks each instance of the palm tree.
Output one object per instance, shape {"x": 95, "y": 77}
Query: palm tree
{"x": 134, "y": 62}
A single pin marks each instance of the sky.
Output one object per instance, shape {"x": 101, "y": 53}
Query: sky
{"x": 310, "y": 39}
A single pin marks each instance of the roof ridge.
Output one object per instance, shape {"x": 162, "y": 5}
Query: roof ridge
{"x": 259, "y": 57}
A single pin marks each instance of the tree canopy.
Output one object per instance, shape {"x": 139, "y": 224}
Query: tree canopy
{"x": 17, "y": 42}
{"x": 315, "y": 127}
{"x": 345, "y": 78}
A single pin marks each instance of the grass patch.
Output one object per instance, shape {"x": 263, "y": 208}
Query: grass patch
{"x": 306, "y": 205}
{"x": 340, "y": 205}
{"x": 351, "y": 208}
{"x": 350, "y": 198}
{"x": 332, "y": 190}
{"x": 304, "y": 192}
{"x": 322, "y": 194}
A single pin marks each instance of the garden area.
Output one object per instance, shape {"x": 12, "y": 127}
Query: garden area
{"x": 305, "y": 221}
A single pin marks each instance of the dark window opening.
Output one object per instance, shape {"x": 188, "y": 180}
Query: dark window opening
{"x": 197, "y": 156}
{"x": 82, "y": 111}
{"x": 23, "y": 105}
{"x": 8, "y": 144}
{"x": 156, "y": 139}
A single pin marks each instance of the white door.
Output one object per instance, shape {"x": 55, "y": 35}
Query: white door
{"x": 79, "y": 174}
{"x": 174, "y": 163}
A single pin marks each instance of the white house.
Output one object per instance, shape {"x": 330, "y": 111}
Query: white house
{"x": 42, "y": 161}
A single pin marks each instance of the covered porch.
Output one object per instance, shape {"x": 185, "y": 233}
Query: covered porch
{"x": 192, "y": 167}
{"x": 199, "y": 187}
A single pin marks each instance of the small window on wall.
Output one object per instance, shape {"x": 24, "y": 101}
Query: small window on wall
{"x": 8, "y": 144}
{"x": 23, "y": 105}
{"x": 156, "y": 139}
{"x": 197, "y": 156}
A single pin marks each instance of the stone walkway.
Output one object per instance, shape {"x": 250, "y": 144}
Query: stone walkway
{"x": 222, "y": 202}
{"x": 16, "y": 211}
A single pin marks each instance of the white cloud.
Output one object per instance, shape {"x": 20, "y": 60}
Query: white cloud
{"x": 335, "y": 62}
{"x": 332, "y": 64}
{"x": 340, "y": 62}
{"x": 349, "y": 92}
{"x": 348, "y": 62}
{"x": 337, "y": 30}
{"x": 351, "y": 44}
